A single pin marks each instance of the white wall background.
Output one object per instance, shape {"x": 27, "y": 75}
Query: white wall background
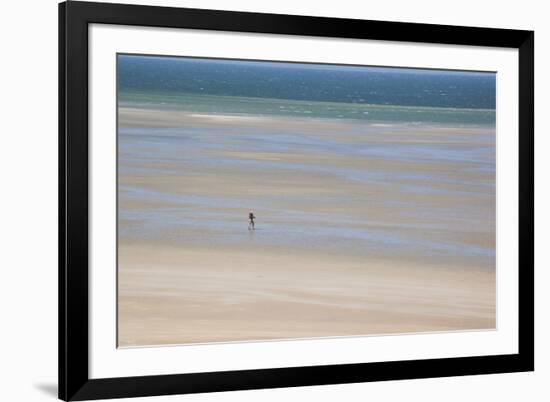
{"x": 28, "y": 201}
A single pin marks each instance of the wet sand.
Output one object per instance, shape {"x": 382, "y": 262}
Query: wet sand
{"x": 362, "y": 228}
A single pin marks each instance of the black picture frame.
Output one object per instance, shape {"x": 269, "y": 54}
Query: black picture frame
{"x": 74, "y": 381}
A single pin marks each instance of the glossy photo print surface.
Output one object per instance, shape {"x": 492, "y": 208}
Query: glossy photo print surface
{"x": 269, "y": 200}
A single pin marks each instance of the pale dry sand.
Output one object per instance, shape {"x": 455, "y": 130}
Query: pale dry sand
{"x": 178, "y": 296}
{"x": 336, "y": 253}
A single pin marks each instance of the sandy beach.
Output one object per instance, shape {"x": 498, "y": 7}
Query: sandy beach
{"x": 362, "y": 228}
{"x": 174, "y": 296}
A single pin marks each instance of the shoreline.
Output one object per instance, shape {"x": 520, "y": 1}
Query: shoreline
{"x": 141, "y": 116}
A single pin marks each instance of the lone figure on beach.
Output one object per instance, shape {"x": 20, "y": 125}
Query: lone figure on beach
{"x": 251, "y": 218}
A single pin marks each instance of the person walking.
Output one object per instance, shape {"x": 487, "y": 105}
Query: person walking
{"x": 251, "y": 218}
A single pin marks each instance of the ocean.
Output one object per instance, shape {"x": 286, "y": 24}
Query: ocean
{"x": 214, "y": 86}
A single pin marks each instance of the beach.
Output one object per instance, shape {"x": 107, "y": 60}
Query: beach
{"x": 177, "y": 296}
{"x": 363, "y": 227}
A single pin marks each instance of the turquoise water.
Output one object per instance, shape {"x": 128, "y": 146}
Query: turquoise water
{"x": 214, "y": 104}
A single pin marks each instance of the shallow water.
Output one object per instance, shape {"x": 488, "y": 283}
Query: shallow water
{"x": 424, "y": 198}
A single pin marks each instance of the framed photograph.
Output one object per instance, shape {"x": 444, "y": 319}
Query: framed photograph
{"x": 258, "y": 201}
